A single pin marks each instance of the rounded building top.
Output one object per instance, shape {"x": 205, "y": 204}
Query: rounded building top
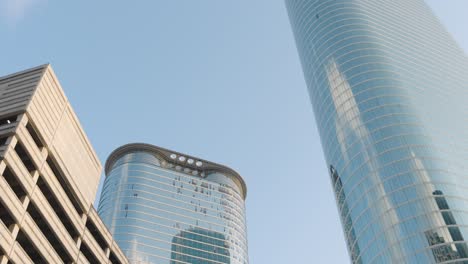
{"x": 187, "y": 161}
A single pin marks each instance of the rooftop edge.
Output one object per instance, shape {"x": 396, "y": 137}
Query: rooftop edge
{"x": 165, "y": 153}
{"x": 40, "y": 67}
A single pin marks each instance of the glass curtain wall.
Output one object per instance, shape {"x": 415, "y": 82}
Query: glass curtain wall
{"x": 163, "y": 207}
{"x": 389, "y": 90}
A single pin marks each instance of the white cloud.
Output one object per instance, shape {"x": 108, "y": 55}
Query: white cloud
{"x": 12, "y": 11}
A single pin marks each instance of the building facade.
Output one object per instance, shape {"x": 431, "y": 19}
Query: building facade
{"x": 49, "y": 174}
{"x": 389, "y": 89}
{"x": 166, "y": 207}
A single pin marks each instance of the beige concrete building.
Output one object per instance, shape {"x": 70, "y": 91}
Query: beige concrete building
{"x": 49, "y": 176}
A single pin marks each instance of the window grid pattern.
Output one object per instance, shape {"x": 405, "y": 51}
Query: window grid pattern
{"x": 388, "y": 87}
{"x": 159, "y": 215}
{"x": 45, "y": 211}
{"x": 27, "y": 197}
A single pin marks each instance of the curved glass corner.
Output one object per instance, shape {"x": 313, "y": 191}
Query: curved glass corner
{"x": 160, "y": 215}
{"x": 388, "y": 86}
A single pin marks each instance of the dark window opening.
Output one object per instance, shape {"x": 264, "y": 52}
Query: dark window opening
{"x": 8, "y": 120}
{"x": 88, "y": 253}
{"x": 3, "y": 254}
{"x": 34, "y": 135}
{"x": 113, "y": 258}
{"x": 29, "y": 248}
{"x": 25, "y": 158}
{"x": 49, "y": 233}
{"x": 65, "y": 186}
{"x": 3, "y": 141}
{"x": 15, "y": 185}
{"x": 6, "y": 217}
{"x": 96, "y": 234}
{"x": 58, "y": 209}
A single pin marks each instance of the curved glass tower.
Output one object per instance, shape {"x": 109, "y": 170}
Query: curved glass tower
{"x": 389, "y": 89}
{"x": 166, "y": 207}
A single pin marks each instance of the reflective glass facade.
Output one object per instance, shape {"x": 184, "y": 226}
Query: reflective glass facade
{"x": 166, "y": 207}
{"x": 389, "y": 90}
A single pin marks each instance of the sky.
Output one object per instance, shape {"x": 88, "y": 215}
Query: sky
{"x": 220, "y": 80}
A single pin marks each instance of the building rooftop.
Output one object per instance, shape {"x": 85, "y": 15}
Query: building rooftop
{"x": 178, "y": 158}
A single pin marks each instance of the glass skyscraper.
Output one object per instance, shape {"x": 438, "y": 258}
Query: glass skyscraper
{"x": 389, "y": 89}
{"x": 166, "y": 207}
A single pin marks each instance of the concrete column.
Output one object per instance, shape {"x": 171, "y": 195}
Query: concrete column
{"x": 3, "y": 260}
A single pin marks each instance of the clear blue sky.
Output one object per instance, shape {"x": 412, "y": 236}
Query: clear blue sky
{"x": 216, "y": 79}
